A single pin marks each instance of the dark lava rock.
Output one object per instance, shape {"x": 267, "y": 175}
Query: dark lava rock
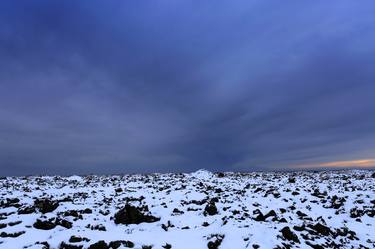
{"x": 301, "y": 214}
{"x": 44, "y": 225}
{"x": 45, "y": 205}
{"x": 99, "y": 245}
{"x": 337, "y": 202}
{"x": 314, "y": 246}
{"x": 196, "y": 202}
{"x": 86, "y": 211}
{"x": 44, "y": 243}
{"x": 299, "y": 228}
{"x": 75, "y": 239}
{"x": 104, "y": 212}
{"x": 271, "y": 213}
{"x": 167, "y": 246}
{"x": 133, "y": 215}
{"x": 260, "y": 216}
{"x": 64, "y": 223}
{"x": 98, "y": 227}
{"x": 213, "y": 244}
{"x": 282, "y": 210}
{"x": 319, "y": 194}
{"x": 216, "y": 243}
{"x": 356, "y": 213}
{"x": 14, "y": 223}
{"x": 117, "y": 243}
{"x": 220, "y": 174}
{"x": 26, "y": 210}
{"x": 66, "y": 199}
{"x": 370, "y": 213}
{"x": 321, "y": 229}
{"x": 289, "y": 235}
{"x": 73, "y": 213}
{"x": 210, "y": 209}
{"x": 64, "y": 245}
{"x": 177, "y": 211}
{"x": 11, "y": 235}
{"x": 166, "y": 226}
{"x": 346, "y": 233}
{"x": 215, "y": 199}
{"x": 282, "y": 220}
{"x": 10, "y": 202}
{"x": 205, "y": 224}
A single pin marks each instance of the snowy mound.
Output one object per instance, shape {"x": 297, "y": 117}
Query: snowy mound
{"x": 202, "y": 174}
{"x": 74, "y": 178}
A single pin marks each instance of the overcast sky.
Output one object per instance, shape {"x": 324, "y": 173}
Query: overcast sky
{"x": 156, "y": 86}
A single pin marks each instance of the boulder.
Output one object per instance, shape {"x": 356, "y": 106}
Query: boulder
{"x": 133, "y": 215}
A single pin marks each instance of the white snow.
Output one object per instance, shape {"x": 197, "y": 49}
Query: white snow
{"x": 237, "y": 195}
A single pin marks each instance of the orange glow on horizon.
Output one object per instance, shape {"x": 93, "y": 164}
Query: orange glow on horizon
{"x": 363, "y": 163}
{"x": 353, "y": 163}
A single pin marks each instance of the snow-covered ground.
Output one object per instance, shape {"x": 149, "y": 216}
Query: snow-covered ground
{"x": 193, "y": 211}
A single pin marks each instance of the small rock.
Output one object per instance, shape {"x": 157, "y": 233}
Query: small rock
{"x": 116, "y": 244}
{"x": 167, "y": 246}
{"x": 76, "y": 239}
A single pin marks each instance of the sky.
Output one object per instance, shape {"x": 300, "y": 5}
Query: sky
{"x": 174, "y": 86}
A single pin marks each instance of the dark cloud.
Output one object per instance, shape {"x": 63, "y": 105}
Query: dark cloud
{"x": 135, "y": 87}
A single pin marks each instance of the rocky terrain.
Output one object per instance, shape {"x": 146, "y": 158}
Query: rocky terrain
{"x": 199, "y": 210}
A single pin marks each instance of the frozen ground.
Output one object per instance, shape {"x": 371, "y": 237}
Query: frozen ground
{"x": 192, "y": 211}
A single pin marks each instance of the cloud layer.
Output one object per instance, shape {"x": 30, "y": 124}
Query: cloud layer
{"x": 176, "y": 86}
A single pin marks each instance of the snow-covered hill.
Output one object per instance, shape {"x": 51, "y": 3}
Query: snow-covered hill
{"x": 192, "y": 211}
